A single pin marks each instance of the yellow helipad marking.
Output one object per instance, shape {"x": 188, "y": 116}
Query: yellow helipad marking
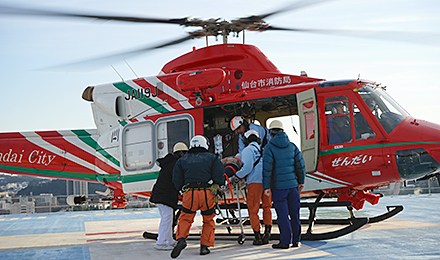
{"x": 139, "y": 213}
{"x": 78, "y": 215}
{"x": 13, "y": 219}
{"x": 250, "y": 252}
{"x": 2, "y": 219}
{"x": 42, "y": 240}
{"x": 396, "y": 223}
{"x": 41, "y": 217}
{"x": 121, "y": 225}
{"x": 26, "y": 218}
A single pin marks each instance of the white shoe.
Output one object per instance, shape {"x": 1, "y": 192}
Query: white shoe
{"x": 163, "y": 247}
{"x": 174, "y": 244}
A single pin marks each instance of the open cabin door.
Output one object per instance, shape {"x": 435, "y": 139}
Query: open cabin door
{"x": 308, "y": 118}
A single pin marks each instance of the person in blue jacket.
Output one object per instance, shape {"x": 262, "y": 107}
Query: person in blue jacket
{"x": 252, "y": 169}
{"x": 239, "y": 124}
{"x": 283, "y": 175}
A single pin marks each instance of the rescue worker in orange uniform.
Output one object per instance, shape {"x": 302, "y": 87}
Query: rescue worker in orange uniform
{"x": 197, "y": 173}
{"x": 252, "y": 169}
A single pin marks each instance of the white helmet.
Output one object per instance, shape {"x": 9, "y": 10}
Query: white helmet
{"x": 199, "y": 141}
{"x": 251, "y": 132}
{"x": 276, "y": 124}
{"x": 180, "y": 147}
{"x": 236, "y": 122}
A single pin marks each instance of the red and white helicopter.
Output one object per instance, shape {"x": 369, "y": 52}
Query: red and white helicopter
{"x": 354, "y": 137}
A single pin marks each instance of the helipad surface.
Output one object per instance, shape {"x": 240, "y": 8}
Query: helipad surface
{"x": 117, "y": 234}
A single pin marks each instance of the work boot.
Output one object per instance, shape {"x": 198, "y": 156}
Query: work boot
{"x": 296, "y": 244}
{"x": 258, "y": 241}
{"x": 266, "y": 236}
{"x": 280, "y": 246}
{"x": 204, "y": 250}
{"x": 181, "y": 244}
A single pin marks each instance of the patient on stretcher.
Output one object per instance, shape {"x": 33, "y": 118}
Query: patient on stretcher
{"x": 232, "y": 164}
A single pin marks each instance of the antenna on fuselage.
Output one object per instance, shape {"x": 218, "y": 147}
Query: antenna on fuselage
{"x": 117, "y": 73}
{"x": 131, "y": 69}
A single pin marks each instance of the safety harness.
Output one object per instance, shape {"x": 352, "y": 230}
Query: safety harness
{"x": 258, "y": 160}
{"x": 198, "y": 186}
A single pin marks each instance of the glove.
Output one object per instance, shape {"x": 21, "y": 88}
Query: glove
{"x": 366, "y": 135}
{"x": 214, "y": 188}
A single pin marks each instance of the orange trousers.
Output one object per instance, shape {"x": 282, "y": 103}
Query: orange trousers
{"x": 195, "y": 200}
{"x": 254, "y": 196}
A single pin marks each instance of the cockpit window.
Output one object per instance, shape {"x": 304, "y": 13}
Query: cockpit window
{"x": 337, "y": 115}
{"x": 383, "y": 107}
{"x": 362, "y": 129}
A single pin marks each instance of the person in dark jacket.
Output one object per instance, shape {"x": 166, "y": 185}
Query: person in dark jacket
{"x": 165, "y": 196}
{"x": 283, "y": 175}
{"x": 197, "y": 173}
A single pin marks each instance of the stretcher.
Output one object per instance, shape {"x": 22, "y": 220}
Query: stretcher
{"x": 230, "y": 199}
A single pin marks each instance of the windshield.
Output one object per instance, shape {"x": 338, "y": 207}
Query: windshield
{"x": 383, "y": 107}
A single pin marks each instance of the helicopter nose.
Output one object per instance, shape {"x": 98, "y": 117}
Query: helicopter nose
{"x": 422, "y": 156}
{"x": 430, "y": 131}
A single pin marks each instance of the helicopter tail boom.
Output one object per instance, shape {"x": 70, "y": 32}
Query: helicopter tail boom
{"x": 70, "y": 154}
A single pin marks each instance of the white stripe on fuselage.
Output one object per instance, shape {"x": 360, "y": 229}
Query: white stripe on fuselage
{"x": 171, "y": 92}
{"x": 38, "y": 140}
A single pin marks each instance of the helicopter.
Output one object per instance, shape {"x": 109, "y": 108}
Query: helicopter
{"x": 138, "y": 121}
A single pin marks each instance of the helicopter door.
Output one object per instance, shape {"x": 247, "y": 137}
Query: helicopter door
{"x": 308, "y": 122}
{"x": 142, "y": 143}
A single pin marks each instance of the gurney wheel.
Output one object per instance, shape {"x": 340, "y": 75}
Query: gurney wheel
{"x": 241, "y": 239}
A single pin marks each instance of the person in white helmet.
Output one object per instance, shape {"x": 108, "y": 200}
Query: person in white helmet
{"x": 239, "y": 124}
{"x": 253, "y": 171}
{"x": 283, "y": 177}
{"x": 195, "y": 173}
{"x": 165, "y": 196}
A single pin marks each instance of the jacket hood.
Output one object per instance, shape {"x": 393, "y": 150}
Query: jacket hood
{"x": 167, "y": 159}
{"x": 280, "y": 140}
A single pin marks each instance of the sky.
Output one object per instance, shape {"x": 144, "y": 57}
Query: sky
{"x": 34, "y": 99}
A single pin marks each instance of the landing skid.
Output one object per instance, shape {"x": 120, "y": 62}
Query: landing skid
{"x": 352, "y": 223}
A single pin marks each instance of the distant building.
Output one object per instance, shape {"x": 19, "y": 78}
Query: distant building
{"x": 20, "y": 205}
{"x": 45, "y": 202}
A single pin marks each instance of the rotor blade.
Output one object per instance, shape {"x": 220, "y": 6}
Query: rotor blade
{"x": 95, "y": 63}
{"x": 25, "y": 11}
{"x": 415, "y": 37}
{"x": 295, "y": 6}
